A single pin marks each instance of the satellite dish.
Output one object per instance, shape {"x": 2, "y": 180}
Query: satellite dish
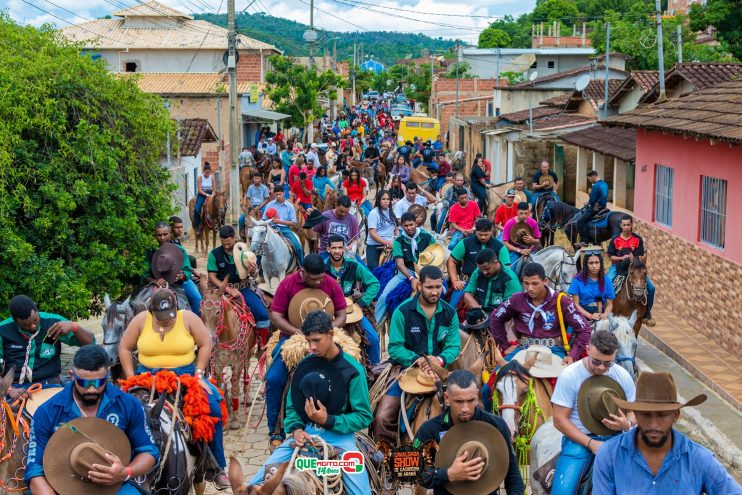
{"x": 413, "y": 87}
{"x": 310, "y": 36}
{"x": 582, "y": 82}
{"x": 533, "y": 76}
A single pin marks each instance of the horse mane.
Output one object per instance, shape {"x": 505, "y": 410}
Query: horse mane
{"x": 554, "y": 247}
{"x": 138, "y": 306}
{"x": 515, "y": 368}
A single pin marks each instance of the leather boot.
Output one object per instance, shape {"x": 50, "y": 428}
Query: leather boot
{"x": 386, "y": 420}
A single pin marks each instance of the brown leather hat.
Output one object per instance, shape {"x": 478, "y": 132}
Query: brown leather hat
{"x": 657, "y": 392}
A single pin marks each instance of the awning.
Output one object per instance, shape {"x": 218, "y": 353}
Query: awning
{"x": 262, "y": 114}
{"x": 499, "y": 131}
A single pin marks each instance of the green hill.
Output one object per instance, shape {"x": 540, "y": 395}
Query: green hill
{"x": 286, "y": 35}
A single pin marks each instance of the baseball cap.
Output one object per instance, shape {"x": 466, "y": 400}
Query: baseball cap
{"x": 510, "y": 192}
{"x": 164, "y": 304}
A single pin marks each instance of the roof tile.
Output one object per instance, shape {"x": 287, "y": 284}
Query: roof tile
{"x": 619, "y": 143}
{"x": 193, "y": 133}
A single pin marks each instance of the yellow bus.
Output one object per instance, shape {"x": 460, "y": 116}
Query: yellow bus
{"x": 420, "y": 126}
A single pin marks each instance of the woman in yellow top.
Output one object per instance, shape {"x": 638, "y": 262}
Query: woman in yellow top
{"x": 176, "y": 340}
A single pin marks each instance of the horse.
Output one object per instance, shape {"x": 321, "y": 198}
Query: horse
{"x": 277, "y": 258}
{"x": 183, "y": 463}
{"x": 13, "y": 446}
{"x": 623, "y": 328}
{"x": 423, "y": 178}
{"x": 246, "y": 175}
{"x": 251, "y": 215}
{"x": 116, "y": 317}
{"x": 213, "y": 214}
{"x": 560, "y": 266}
{"x": 357, "y": 212}
{"x": 310, "y": 236}
{"x": 631, "y": 293}
{"x": 233, "y": 332}
{"x": 558, "y": 215}
{"x": 496, "y": 196}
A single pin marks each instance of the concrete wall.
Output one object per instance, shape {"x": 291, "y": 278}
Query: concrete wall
{"x": 690, "y": 159}
{"x": 515, "y": 100}
{"x": 631, "y": 100}
{"x": 485, "y": 64}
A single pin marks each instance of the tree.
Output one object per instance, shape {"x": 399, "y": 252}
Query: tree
{"x": 81, "y": 186}
{"x": 556, "y": 10}
{"x": 726, "y": 17}
{"x": 296, "y": 89}
{"x": 464, "y": 71}
{"x": 493, "y": 38}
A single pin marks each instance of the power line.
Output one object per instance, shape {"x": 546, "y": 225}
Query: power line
{"x": 203, "y": 40}
{"x": 431, "y": 13}
{"x": 336, "y": 17}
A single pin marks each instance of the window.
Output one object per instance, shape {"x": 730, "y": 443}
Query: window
{"x": 427, "y": 125}
{"x": 534, "y": 65}
{"x": 713, "y": 211}
{"x": 490, "y": 109}
{"x": 130, "y": 67}
{"x": 413, "y": 124}
{"x": 663, "y": 187}
{"x": 550, "y": 64}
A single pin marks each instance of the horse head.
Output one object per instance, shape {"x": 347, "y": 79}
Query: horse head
{"x": 220, "y": 204}
{"x": 116, "y": 318}
{"x": 623, "y": 328}
{"x": 212, "y": 307}
{"x": 259, "y": 236}
{"x": 636, "y": 281}
{"x": 512, "y": 384}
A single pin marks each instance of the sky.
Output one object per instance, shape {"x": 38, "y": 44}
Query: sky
{"x": 441, "y": 18}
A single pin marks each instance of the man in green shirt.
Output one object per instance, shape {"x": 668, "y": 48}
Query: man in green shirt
{"x": 461, "y": 264}
{"x": 328, "y": 398}
{"x": 352, "y": 275}
{"x": 491, "y": 283}
{"x": 31, "y": 341}
{"x": 422, "y": 328}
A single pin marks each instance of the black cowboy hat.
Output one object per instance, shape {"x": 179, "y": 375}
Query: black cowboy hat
{"x": 315, "y": 217}
{"x": 476, "y": 319}
{"x": 408, "y": 142}
{"x": 320, "y": 379}
{"x": 167, "y": 262}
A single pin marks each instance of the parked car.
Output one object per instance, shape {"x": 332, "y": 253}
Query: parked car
{"x": 400, "y": 112}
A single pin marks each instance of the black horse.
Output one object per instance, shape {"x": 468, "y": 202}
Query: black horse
{"x": 558, "y": 215}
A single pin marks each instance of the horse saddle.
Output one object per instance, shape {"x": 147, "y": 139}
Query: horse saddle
{"x": 38, "y": 398}
{"x": 600, "y": 220}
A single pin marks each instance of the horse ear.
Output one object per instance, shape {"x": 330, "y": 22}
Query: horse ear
{"x": 106, "y": 301}
{"x": 633, "y": 318}
{"x": 612, "y": 323}
{"x": 7, "y": 381}
{"x": 235, "y": 476}
{"x": 127, "y": 301}
{"x": 157, "y": 408}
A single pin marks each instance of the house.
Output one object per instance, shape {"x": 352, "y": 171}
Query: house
{"x": 686, "y": 78}
{"x": 591, "y": 100}
{"x": 472, "y": 96}
{"x": 688, "y": 186}
{"x": 626, "y": 97}
{"x": 489, "y": 62}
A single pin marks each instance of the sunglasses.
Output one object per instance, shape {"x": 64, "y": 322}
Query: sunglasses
{"x": 86, "y": 384}
{"x": 595, "y": 252}
{"x": 598, "y": 362}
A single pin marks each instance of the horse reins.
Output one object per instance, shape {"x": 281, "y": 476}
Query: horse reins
{"x": 21, "y": 427}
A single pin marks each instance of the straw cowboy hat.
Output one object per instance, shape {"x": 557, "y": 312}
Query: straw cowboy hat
{"x": 75, "y": 447}
{"x": 242, "y": 255}
{"x": 306, "y": 301}
{"x": 167, "y": 262}
{"x": 420, "y": 212}
{"x": 433, "y": 255}
{"x": 547, "y": 365}
{"x": 520, "y": 197}
{"x": 657, "y": 392}
{"x": 519, "y": 230}
{"x": 353, "y": 312}
{"x": 414, "y": 381}
{"x": 596, "y": 401}
{"x": 479, "y": 439}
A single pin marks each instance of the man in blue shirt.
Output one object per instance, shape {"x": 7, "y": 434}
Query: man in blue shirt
{"x": 284, "y": 217}
{"x": 597, "y": 203}
{"x": 654, "y": 458}
{"x": 91, "y": 395}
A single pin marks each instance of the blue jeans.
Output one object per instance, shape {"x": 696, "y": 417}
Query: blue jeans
{"x": 193, "y": 296}
{"x": 288, "y": 234}
{"x": 276, "y": 378}
{"x": 200, "y": 200}
{"x": 381, "y": 302}
{"x": 355, "y": 483}
{"x": 456, "y": 298}
{"x": 373, "y": 253}
{"x": 442, "y": 220}
{"x": 611, "y": 274}
{"x": 262, "y": 320}
{"x": 215, "y": 411}
{"x": 373, "y": 350}
{"x": 455, "y": 238}
{"x": 306, "y": 206}
{"x": 573, "y": 465}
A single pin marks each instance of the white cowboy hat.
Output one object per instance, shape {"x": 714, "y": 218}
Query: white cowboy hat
{"x": 242, "y": 255}
{"x": 548, "y": 365}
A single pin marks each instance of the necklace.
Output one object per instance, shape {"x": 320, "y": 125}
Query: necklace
{"x": 84, "y": 414}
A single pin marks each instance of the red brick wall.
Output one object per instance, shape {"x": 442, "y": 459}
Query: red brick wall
{"x": 444, "y": 90}
{"x": 248, "y": 67}
{"x": 562, "y": 42}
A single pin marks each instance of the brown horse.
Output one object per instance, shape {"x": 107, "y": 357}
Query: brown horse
{"x": 331, "y": 200}
{"x": 310, "y": 236}
{"x": 246, "y": 175}
{"x": 231, "y": 323}
{"x": 13, "y": 444}
{"x": 212, "y": 219}
{"x": 631, "y": 295}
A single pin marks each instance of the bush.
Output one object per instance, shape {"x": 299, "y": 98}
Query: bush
{"x": 80, "y": 182}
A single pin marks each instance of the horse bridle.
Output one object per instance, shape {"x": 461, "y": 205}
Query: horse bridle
{"x": 558, "y": 269}
{"x": 636, "y": 294}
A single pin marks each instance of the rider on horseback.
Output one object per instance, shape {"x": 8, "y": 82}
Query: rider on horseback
{"x": 256, "y": 197}
{"x": 597, "y": 203}
{"x": 422, "y": 328}
{"x": 90, "y": 394}
{"x": 414, "y": 195}
{"x": 622, "y": 249}
{"x": 591, "y": 291}
{"x": 491, "y": 283}
{"x": 462, "y": 262}
{"x": 311, "y": 276}
{"x": 31, "y": 342}
{"x": 527, "y": 242}
{"x": 328, "y": 398}
{"x": 338, "y": 221}
{"x": 537, "y": 319}
{"x": 462, "y": 216}
{"x": 284, "y": 217}
{"x": 581, "y": 442}
{"x": 205, "y": 190}
{"x": 354, "y": 276}
{"x": 544, "y": 187}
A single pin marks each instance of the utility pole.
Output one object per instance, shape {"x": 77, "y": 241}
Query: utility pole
{"x": 607, "y": 67}
{"x": 457, "y": 78}
{"x": 311, "y": 28}
{"x": 353, "y": 74}
{"x": 660, "y": 49}
{"x": 233, "y": 127}
{"x": 680, "y": 44}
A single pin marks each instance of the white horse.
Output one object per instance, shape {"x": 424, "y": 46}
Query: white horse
{"x": 623, "y": 328}
{"x": 277, "y": 259}
{"x": 362, "y": 230}
{"x": 559, "y": 265}
{"x": 545, "y": 445}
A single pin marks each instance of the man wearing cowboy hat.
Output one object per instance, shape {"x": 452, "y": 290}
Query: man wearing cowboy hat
{"x": 654, "y": 457}
{"x": 328, "y": 398}
{"x": 311, "y": 276}
{"x": 541, "y": 185}
{"x": 467, "y": 474}
{"x": 406, "y": 250}
{"x": 581, "y": 413}
{"x": 352, "y": 276}
{"x": 31, "y": 343}
{"x": 528, "y": 242}
{"x": 89, "y": 395}
{"x": 490, "y": 284}
{"x": 423, "y": 328}
{"x": 169, "y": 264}
{"x": 536, "y": 319}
